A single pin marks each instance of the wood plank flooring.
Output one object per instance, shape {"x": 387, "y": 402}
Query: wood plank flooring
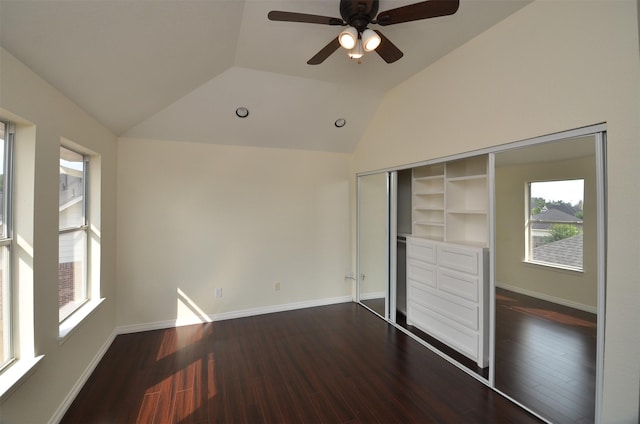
{"x": 333, "y": 364}
{"x": 546, "y": 357}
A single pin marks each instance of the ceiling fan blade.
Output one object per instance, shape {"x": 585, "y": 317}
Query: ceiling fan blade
{"x": 277, "y": 15}
{"x": 414, "y": 12}
{"x": 325, "y": 52}
{"x": 387, "y": 50}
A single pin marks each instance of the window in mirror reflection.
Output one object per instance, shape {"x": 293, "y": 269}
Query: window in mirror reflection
{"x": 555, "y": 223}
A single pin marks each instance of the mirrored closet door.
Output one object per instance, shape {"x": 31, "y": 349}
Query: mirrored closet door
{"x": 373, "y": 245}
{"x": 497, "y": 261}
{"x": 549, "y": 279}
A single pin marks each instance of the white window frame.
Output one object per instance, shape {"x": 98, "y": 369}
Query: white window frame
{"x": 6, "y": 243}
{"x": 66, "y": 313}
{"x": 529, "y": 228}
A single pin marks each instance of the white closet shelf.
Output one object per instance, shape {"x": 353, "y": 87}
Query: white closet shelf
{"x": 429, "y": 208}
{"x": 429, "y": 193}
{"x": 429, "y": 177}
{"x": 450, "y": 200}
{"x": 467, "y": 178}
{"x": 430, "y": 223}
{"x": 467, "y": 211}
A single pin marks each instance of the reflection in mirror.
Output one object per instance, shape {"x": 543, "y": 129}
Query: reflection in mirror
{"x": 546, "y": 277}
{"x": 373, "y": 257}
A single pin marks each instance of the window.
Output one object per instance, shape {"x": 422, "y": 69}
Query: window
{"x": 73, "y": 237}
{"x": 555, "y": 218}
{"x": 6, "y": 298}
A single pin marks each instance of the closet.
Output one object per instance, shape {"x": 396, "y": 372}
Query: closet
{"x": 447, "y": 259}
{"x": 442, "y": 255}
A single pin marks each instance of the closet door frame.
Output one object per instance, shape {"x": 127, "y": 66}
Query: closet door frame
{"x": 388, "y": 248}
{"x": 598, "y": 131}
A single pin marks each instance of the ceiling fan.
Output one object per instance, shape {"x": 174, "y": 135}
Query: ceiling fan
{"x": 357, "y": 15}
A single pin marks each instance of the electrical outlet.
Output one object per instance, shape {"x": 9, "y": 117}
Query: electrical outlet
{"x": 276, "y": 286}
{"x": 218, "y": 292}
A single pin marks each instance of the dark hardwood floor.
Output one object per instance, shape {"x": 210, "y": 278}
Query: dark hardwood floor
{"x": 333, "y": 364}
{"x": 461, "y": 359}
{"x": 545, "y": 357}
{"x": 376, "y": 305}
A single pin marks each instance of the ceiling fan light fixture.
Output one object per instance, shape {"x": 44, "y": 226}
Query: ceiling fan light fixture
{"x": 356, "y": 52}
{"x": 348, "y": 38}
{"x": 370, "y": 40}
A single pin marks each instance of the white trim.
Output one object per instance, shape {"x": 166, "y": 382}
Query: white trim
{"x": 15, "y": 374}
{"x": 491, "y": 170}
{"x": 601, "y": 216}
{"x": 358, "y": 235}
{"x": 392, "y": 246}
{"x": 160, "y": 325}
{"x": 75, "y": 390}
{"x": 77, "y": 318}
{"x": 373, "y": 295}
{"x": 548, "y": 298}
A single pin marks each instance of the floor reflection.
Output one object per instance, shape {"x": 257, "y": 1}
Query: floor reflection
{"x": 546, "y": 356}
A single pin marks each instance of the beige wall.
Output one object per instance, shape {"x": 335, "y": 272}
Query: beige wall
{"x": 196, "y": 217}
{"x": 575, "y": 288}
{"x": 373, "y": 233}
{"x": 45, "y": 117}
{"x": 553, "y": 66}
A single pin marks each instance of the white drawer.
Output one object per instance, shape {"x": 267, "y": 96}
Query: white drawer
{"x": 458, "y": 284}
{"x": 423, "y": 250}
{"x": 421, "y": 272}
{"x": 455, "y": 309}
{"x": 458, "y": 337}
{"x": 459, "y": 258}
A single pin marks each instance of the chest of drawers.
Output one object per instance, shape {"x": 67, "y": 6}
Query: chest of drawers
{"x": 447, "y": 294}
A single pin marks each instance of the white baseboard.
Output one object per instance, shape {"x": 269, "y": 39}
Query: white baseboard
{"x": 159, "y": 325}
{"x": 374, "y": 295}
{"x": 68, "y": 400}
{"x": 548, "y": 298}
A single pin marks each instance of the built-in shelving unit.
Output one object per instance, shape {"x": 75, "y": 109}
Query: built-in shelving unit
{"x": 447, "y": 268}
{"x": 428, "y": 201}
{"x": 450, "y": 201}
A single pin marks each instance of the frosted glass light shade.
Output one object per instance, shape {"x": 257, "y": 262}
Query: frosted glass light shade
{"x": 348, "y": 38}
{"x": 356, "y": 52}
{"x": 370, "y": 40}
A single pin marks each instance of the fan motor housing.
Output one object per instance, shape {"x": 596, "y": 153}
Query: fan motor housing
{"x": 358, "y": 13}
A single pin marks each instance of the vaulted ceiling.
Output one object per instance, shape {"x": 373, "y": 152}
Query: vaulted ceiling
{"x": 178, "y": 69}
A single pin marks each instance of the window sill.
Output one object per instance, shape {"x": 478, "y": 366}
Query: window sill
{"x": 69, "y": 325}
{"x": 16, "y": 374}
{"x": 554, "y": 267}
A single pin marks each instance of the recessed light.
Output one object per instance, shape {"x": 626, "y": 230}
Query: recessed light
{"x": 242, "y": 112}
{"x": 340, "y": 122}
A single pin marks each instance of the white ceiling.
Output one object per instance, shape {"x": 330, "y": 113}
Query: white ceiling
{"x": 178, "y": 69}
